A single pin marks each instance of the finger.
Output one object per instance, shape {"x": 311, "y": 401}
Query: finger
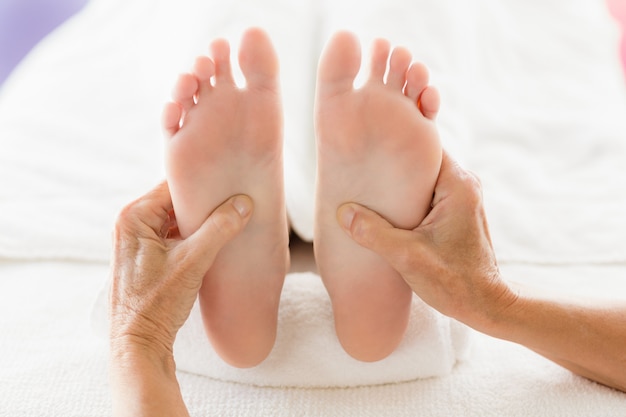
{"x": 151, "y": 210}
{"x": 226, "y": 222}
{"x": 370, "y": 230}
{"x": 169, "y": 229}
{"x": 451, "y": 175}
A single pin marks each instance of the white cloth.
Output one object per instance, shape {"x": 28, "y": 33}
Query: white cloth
{"x": 307, "y": 352}
{"x": 540, "y": 118}
{"x": 80, "y": 117}
{"x": 549, "y": 130}
{"x": 52, "y": 364}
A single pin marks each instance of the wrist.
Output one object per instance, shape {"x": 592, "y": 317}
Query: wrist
{"x": 505, "y": 316}
{"x": 143, "y": 380}
{"x": 131, "y": 352}
{"x": 492, "y": 312}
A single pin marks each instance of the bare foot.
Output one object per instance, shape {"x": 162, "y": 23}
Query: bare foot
{"x": 377, "y": 146}
{"x": 223, "y": 140}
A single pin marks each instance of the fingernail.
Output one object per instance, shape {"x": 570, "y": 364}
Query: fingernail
{"x": 346, "y": 216}
{"x": 243, "y": 205}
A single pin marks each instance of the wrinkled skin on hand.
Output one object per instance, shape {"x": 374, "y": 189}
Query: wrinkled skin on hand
{"x": 155, "y": 274}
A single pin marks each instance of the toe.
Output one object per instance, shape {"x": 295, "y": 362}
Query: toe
{"x": 378, "y": 63}
{"x": 204, "y": 70}
{"x": 184, "y": 90}
{"x": 258, "y": 59}
{"x": 398, "y": 67}
{"x": 428, "y": 102}
{"x": 416, "y": 81}
{"x": 170, "y": 119}
{"x": 220, "y": 51}
{"x": 339, "y": 64}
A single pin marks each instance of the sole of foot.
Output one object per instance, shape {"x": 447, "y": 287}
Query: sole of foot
{"x": 224, "y": 140}
{"x": 378, "y": 146}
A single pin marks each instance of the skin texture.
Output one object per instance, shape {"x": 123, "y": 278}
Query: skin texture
{"x": 378, "y": 147}
{"x": 155, "y": 279}
{"x": 449, "y": 261}
{"x": 224, "y": 140}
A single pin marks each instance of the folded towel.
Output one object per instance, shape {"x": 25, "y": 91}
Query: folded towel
{"x": 307, "y": 352}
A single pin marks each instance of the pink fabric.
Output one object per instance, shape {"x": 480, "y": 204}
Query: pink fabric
{"x": 618, "y": 10}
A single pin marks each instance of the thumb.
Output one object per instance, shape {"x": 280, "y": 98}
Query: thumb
{"x": 372, "y": 231}
{"x": 226, "y": 222}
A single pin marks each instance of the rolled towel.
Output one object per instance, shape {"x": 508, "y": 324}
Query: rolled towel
{"x": 307, "y": 352}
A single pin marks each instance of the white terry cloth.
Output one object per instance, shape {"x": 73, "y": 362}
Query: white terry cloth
{"x": 53, "y": 365}
{"x": 307, "y": 352}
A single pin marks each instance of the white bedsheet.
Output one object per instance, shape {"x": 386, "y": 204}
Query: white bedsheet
{"x": 52, "y": 364}
{"x": 540, "y": 117}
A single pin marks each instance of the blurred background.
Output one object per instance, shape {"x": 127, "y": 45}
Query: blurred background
{"x": 23, "y": 23}
{"x": 533, "y": 100}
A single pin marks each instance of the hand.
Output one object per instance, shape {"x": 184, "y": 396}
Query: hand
{"x": 448, "y": 260}
{"x": 155, "y": 279}
{"x": 156, "y": 275}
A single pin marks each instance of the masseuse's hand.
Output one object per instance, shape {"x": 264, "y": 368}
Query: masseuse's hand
{"x": 448, "y": 260}
{"x": 155, "y": 278}
{"x": 156, "y": 275}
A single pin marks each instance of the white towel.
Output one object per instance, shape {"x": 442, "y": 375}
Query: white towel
{"x": 307, "y": 352}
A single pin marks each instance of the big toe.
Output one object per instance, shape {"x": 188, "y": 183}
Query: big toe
{"x": 258, "y": 59}
{"x": 339, "y": 64}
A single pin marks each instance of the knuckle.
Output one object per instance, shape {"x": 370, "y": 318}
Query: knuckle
{"x": 125, "y": 224}
{"x": 127, "y": 215}
{"x": 474, "y": 178}
{"x": 472, "y": 189}
{"x": 472, "y": 182}
{"x": 124, "y": 215}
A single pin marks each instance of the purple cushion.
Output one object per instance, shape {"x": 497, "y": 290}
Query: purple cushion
{"x": 23, "y": 23}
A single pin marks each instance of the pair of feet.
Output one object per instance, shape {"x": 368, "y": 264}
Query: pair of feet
{"x": 377, "y": 146}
